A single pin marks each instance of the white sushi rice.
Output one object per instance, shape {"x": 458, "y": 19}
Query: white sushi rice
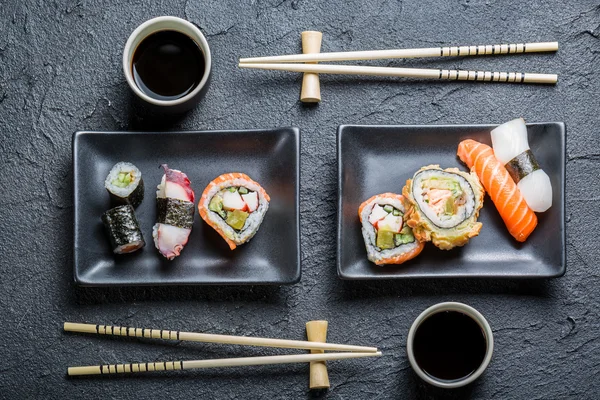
{"x": 114, "y": 175}
{"x": 369, "y": 232}
{"x": 254, "y": 218}
{"x": 448, "y": 221}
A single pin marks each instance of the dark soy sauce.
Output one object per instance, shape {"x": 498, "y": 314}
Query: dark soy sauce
{"x": 168, "y": 65}
{"x": 449, "y": 346}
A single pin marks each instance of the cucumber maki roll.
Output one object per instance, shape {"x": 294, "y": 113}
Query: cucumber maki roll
{"x": 124, "y": 184}
{"x": 442, "y": 206}
{"x": 123, "y": 229}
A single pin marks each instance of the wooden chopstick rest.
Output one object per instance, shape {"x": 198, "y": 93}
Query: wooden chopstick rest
{"x": 311, "y": 89}
{"x": 316, "y": 331}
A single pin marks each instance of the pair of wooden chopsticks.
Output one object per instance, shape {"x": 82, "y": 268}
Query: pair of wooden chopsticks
{"x": 287, "y": 63}
{"x": 349, "y": 351}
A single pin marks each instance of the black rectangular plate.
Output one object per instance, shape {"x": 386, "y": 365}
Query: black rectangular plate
{"x": 377, "y": 159}
{"x": 271, "y": 157}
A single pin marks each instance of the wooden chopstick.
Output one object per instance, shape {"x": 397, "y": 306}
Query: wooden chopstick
{"x": 211, "y": 338}
{"x": 489, "y": 49}
{"x": 215, "y": 363}
{"x": 443, "y": 74}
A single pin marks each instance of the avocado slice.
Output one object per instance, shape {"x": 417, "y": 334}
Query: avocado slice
{"x": 216, "y": 204}
{"x": 236, "y": 219}
{"x": 385, "y": 239}
{"x": 449, "y": 207}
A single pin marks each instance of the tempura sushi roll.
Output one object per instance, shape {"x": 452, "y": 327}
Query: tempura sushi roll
{"x": 442, "y": 206}
{"x": 123, "y": 229}
{"x": 124, "y": 184}
{"x": 175, "y": 216}
{"x": 387, "y": 239}
{"x": 234, "y": 205}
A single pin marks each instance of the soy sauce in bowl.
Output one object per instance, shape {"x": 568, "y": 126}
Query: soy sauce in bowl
{"x": 167, "y": 65}
{"x": 449, "y": 346}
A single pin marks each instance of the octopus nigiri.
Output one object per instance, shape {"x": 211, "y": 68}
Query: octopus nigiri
{"x": 175, "y": 203}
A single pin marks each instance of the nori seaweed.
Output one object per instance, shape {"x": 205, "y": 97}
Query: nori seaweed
{"x": 122, "y": 226}
{"x": 134, "y": 199}
{"x": 522, "y": 165}
{"x": 175, "y": 212}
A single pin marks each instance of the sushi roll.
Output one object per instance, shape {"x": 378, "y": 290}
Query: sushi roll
{"x": 387, "y": 239}
{"x": 234, "y": 205}
{"x": 442, "y": 206}
{"x": 511, "y": 148}
{"x": 124, "y": 184}
{"x": 123, "y": 229}
{"x": 175, "y": 213}
{"x": 512, "y": 207}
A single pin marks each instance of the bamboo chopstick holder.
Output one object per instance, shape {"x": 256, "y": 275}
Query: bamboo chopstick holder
{"x": 316, "y": 331}
{"x": 490, "y": 49}
{"x": 311, "y": 90}
{"x": 440, "y": 74}
{"x": 216, "y": 363}
{"x": 212, "y": 338}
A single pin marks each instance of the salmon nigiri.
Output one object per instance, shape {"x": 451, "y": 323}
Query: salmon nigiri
{"x": 517, "y": 216}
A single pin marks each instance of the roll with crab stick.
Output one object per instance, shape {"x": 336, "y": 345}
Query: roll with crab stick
{"x": 387, "y": 239}
{"x": 234, "y": 205}
{"x": 175, "y": 216}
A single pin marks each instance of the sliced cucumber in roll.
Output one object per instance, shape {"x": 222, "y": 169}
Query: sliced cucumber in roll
{"x": 124, "y": 184}
{"x": 442, "y": 206}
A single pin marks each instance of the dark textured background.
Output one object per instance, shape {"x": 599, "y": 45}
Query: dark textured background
{"x": 60, "y": 71}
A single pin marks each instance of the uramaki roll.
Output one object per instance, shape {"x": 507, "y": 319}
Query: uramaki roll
{"x": 387, "y": 239}
{"x": 234, "y": 205}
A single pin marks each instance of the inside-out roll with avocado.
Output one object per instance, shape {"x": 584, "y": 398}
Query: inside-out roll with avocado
{"x": 124, "y": 184}
{"x": 387, "y": 239}
{"x": 234, "y": 205}
{"x": 442, "y": 205}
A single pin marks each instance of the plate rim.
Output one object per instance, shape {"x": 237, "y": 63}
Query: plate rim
{"x": 80, "y": 281}
{"x": 562, "y": 128}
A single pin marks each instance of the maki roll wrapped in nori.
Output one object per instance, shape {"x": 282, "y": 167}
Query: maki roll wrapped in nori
{"x": 175, "y": 206}
{"x": 234, "y": 205}
{"x": 387, "y": 239}
{"x": 123, "y": 229}
{"x": 124, "y": 184}
{"x": 442, "y": 205}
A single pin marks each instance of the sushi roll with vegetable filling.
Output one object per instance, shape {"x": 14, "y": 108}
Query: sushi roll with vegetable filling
{"x": 175, "y": 216}
{"x": 442, "y": 206}
{"x": 387, "y": 239}
{"x": 124, "y": 184}
{"x": 234, "y": 205}
{"x": 123, "y": 229}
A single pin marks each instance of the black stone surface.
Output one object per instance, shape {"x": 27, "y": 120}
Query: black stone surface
{"x": 60, "y": 71}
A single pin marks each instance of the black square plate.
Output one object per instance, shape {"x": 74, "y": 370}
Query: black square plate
{"x": 271, "y": 157}
{"x": 377, "y": 159}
